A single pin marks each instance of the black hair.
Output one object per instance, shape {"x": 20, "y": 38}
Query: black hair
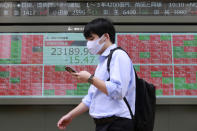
{"x": 100, "y": 26}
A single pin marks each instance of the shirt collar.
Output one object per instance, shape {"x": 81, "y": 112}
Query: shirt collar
{"x": 107, "y": 51}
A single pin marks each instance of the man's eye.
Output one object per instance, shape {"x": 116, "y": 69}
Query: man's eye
{"x": 91, "y": 39}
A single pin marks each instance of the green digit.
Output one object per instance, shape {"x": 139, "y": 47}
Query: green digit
{"x": 92, "y": 58}
{"x": 77, "y": 59}
{"x": 86, "y": 59}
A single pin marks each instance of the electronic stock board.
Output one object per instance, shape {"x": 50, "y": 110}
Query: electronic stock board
{"x": 33, "y": 64}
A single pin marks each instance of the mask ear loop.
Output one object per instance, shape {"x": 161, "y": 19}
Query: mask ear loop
{"x": 102, "y": 41}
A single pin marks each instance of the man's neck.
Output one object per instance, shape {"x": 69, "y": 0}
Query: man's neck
{"x": 105, "y": 47}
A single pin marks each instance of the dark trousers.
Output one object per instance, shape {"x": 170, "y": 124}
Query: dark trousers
{"x": 118, "y": 124}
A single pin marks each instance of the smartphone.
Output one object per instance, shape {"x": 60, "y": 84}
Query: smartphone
{"x": 70, "y": 70}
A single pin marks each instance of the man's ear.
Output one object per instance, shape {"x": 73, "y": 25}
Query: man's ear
{"x": 107, "y": 36}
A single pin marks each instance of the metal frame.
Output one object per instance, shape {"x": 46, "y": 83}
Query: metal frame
{"x": 73, "y": 101}
{"x": 101, "y": 0}
{"x": 119, "y": 28}
{"x": 86, "y": 19}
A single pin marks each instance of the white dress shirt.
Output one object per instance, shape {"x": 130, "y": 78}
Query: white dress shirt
{"x": 121, "y": 84}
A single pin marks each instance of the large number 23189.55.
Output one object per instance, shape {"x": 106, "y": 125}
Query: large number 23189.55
{"x": 69, "y": 51}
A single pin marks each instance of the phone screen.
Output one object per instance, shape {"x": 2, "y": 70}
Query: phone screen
{"x": 70, "y": 70}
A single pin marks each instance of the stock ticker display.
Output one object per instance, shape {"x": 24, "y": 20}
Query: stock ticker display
{"x": 33, "y": 64}
{"x": 102, "y": 8}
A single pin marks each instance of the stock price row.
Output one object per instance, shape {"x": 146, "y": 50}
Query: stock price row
{"x": 69, "y": 51}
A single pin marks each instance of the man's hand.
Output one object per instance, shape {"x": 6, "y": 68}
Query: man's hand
{"x": 64, "y": 121}
{"x": 82, "y": 75}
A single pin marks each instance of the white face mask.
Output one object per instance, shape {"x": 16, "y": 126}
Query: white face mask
{"x": 94, "y": 47}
